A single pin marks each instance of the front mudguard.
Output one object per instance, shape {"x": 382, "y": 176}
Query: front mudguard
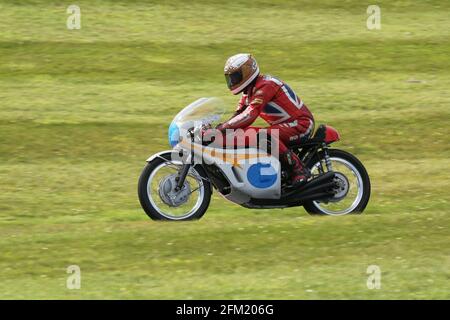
{"x": 159, "y": 154}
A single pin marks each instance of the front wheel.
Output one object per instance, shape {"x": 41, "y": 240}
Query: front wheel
{"x": 160, "y": 200}
{"x": 352, "y": 185}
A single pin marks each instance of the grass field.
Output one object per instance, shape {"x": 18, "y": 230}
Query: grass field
{"x": 81, "y": 110}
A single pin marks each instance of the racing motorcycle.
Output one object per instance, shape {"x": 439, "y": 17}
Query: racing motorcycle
{"x": 174, "y": 185}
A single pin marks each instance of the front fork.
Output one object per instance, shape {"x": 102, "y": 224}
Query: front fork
{"x": 182, "y": 174}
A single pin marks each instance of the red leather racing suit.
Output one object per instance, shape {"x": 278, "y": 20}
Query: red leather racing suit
{"x": 276, "y": 103}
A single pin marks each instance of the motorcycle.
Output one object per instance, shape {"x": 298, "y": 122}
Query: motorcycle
{"x": 175, "y": 185}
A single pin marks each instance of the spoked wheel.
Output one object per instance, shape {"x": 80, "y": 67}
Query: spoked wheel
{"x": 352, "y": 186}
{"x": 159, "y": 198}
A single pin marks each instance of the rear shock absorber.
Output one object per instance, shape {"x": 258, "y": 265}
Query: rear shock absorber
{"x": 326, "y": 157}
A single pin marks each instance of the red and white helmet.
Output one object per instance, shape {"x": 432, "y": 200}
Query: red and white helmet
{"x": 240, "y": 70}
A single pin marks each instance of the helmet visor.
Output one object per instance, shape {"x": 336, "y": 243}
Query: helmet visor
{"x": 233, "y": 79}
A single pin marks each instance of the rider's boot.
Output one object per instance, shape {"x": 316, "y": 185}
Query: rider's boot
{"x": 300, "y": 174}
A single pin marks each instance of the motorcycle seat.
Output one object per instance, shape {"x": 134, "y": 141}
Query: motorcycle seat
{"x": 317, "y": 137}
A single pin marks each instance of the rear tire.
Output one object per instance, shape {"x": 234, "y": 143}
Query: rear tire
{"x": 311, "y": 206}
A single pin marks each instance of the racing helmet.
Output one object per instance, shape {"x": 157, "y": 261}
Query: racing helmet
{"x": 240, "y": 70}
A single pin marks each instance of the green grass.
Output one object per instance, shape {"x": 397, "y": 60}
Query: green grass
{"x": 81, "y": 110}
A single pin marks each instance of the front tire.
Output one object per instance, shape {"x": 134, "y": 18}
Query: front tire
{"x": 362, "y": 181}
{"x": 150, "y": 194}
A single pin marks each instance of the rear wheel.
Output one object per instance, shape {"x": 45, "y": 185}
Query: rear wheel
{"x": 352, "y": 191}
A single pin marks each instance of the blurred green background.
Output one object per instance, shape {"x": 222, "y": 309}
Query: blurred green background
{"x": 81, "y": 110}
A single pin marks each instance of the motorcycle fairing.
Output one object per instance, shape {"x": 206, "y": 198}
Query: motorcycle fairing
{"x": 251, "y": 172}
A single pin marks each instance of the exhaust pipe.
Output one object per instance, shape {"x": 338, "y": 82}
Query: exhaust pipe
{"x": 320, "y": 188}
{"x": 317, "y": 189}
{"x": 317, "y": 181}
{"x": 313, "y": 190}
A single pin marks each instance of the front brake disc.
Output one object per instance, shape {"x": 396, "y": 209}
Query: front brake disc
{"x": 169, "y": 195}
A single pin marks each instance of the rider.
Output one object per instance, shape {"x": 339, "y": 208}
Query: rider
{"x": 275, "y": 102}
